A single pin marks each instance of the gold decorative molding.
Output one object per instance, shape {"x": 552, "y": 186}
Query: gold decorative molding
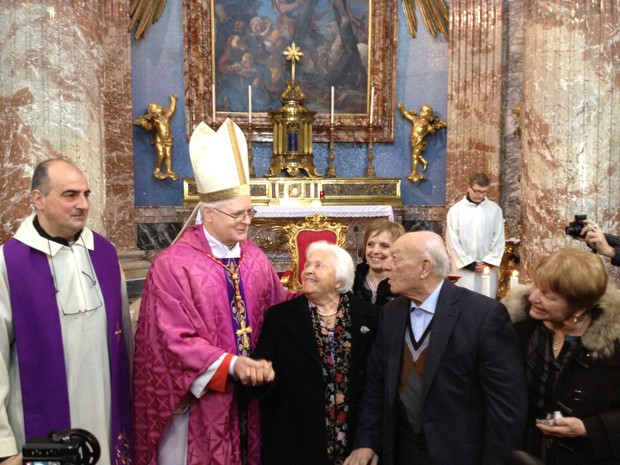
{"x": 308, "y": 191}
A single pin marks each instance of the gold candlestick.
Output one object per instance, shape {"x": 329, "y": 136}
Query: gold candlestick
{"x": 370, "y": 171}
{"x": 250, "y": 156}
{"x": 331, "y": 168}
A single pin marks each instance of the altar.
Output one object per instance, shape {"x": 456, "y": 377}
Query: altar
{"x": 331, "y": 211}
{"x": 267, "y": 227}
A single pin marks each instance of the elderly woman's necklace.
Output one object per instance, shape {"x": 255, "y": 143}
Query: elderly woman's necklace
{"x": 327, "y": 315}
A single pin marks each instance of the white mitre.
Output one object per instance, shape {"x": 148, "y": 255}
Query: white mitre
{"x": 220, "y": 162}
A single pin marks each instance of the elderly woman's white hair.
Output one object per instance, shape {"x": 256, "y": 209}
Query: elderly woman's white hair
{"x": 342, "y": 261}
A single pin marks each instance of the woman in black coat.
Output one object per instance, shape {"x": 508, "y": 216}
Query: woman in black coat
{"x": 371, "y": 282}
{"x": 318, "y": 344}
{"x": 569, "y": 325}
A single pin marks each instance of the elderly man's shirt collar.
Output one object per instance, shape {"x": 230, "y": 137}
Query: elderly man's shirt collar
{"x": 221, "y": 250}
{"x": 430, "y": 304}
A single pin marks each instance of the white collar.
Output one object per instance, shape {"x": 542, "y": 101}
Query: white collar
{"x": 27, "y": 234}
{"x": 221, "y": 250}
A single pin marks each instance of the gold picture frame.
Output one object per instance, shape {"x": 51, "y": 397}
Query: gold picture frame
{"x": 200, "y": 71}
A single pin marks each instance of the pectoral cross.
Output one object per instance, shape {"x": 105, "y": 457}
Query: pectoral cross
{"x": 243, "y": 333}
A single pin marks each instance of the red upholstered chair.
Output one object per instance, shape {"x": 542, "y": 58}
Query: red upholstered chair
{"x": 303, "y": 233}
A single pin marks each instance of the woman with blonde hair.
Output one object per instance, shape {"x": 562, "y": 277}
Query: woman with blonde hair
{"x": 371, "y": 282}
{"x": 568, "y": 321}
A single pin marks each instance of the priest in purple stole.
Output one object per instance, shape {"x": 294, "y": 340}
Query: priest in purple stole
{"x": 65, "y": 332}
{"x": 201, "y": 314}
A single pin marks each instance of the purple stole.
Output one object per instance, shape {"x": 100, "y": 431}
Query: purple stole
{"x": 236, "y": 315}
{"x": 38, "y": 338}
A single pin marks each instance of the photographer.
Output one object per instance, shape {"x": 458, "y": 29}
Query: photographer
{"x": 604, "y": 244}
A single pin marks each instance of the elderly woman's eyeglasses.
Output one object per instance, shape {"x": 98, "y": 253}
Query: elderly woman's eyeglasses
{"x": 239, "y": 217}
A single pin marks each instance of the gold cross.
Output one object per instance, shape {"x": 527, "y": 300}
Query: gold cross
{"x": 243, "y": 332}
{"x": 293, "y": 53}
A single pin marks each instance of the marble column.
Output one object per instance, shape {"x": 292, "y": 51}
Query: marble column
{"x": 474, "y": 95}
{"x": 570, "y": 115}
{"x": 66, "y": 91}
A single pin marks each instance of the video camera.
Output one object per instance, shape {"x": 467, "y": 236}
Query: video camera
{"x": 574, "y": 228}
{"x": 62, "y": 447}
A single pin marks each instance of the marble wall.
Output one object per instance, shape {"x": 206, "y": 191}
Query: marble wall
{"x": 66, "y": 92}
{"x": 475, "y": 95}
{"x": 570, "y": 112}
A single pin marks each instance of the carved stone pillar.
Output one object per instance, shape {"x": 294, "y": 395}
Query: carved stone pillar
{"x": 474, "y": 95}
{"x": 569, "y": 121}
{"x": 66, "y": 91}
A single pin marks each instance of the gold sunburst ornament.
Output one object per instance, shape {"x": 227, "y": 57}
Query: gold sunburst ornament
{"x": 144, "y": 13}
{"x": 434, "y": 12}
{"x": 293, "y": 53}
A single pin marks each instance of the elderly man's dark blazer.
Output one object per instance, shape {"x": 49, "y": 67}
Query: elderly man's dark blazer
{"x": 474, "y": 393}
{"x": 293, "y": 407}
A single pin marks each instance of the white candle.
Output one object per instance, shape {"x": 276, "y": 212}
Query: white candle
{"x": 486, "y": 282}
{"x": 514, "y": 279}
{"x": 250, "y": 104}
{"x": 332, "y": 112}
{"x": 372, "y": 102}
{"x": 213, "y": 97}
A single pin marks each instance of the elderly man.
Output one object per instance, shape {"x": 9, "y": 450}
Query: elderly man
{"x": 445, "y": 381}
{"x": 64, "y": 323}
{"x": 202, "y": 311}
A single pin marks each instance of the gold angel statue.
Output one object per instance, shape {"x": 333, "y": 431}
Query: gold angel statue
{"x": 157, "y": 120}
{"x": 422, "y": 124}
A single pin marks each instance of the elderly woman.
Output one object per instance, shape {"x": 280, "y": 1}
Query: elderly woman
{"x": 569, "y": 325}
{"x": 318, "y": 344}
{"x": 371, "y": 282}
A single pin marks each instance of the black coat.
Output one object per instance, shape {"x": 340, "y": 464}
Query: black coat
{"x": 588, "y": 388}
{"x": 384, "y": 295}
{"x": 473, "y": 398}
{"x": 292, "y": 407}
{"x": 614, "y": 241}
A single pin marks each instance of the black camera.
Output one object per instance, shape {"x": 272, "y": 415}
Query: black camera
{"x": 62, "y": 447}
{"x": 574, "y": 228}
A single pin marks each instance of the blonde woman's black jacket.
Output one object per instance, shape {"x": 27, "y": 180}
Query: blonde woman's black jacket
{"x": 384, "y": 295}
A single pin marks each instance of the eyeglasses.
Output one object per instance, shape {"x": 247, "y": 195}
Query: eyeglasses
{"x": 479, "y": 192}
{"x": 239, "y": 217}
{"x": 95, "y": 303}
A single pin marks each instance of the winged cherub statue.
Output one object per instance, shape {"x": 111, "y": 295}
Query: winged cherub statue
{"x": 157, "y": 120}
{"x": 422, "y": 124}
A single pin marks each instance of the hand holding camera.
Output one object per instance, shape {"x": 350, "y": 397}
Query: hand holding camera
{"x": 575, "y": 228}
{"x": 587, "y": 231}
